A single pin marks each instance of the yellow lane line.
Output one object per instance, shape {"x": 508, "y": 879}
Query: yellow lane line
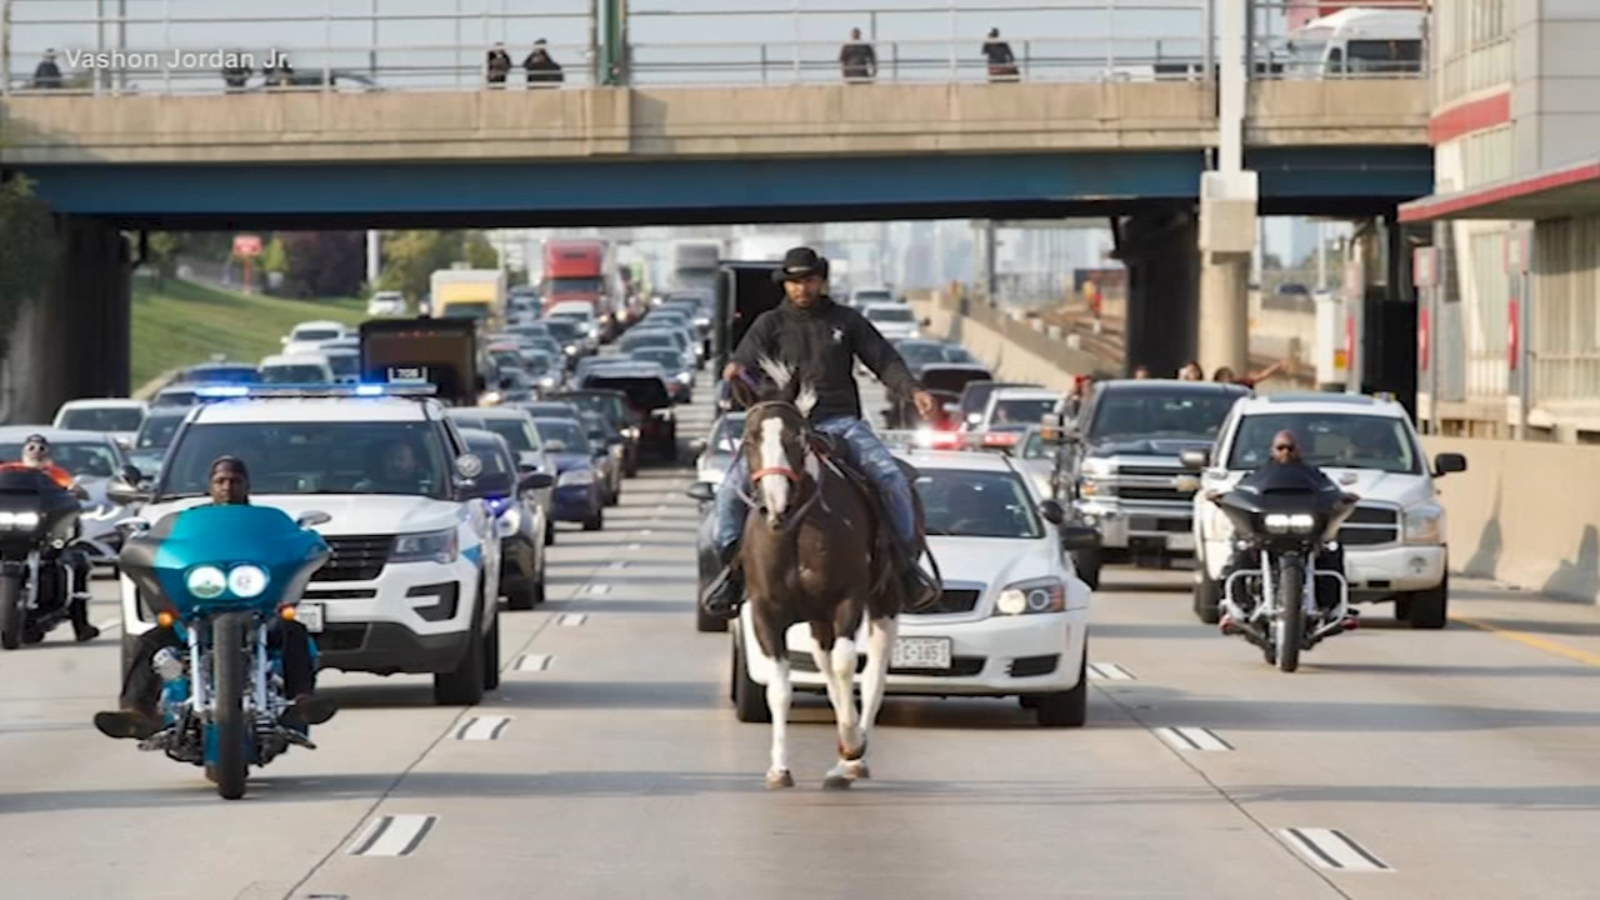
{"x": 1534, "y": 641}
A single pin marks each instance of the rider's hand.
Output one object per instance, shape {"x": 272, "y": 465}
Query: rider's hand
{"x": 732, "y": 370}
{"x": 926, "y": 403}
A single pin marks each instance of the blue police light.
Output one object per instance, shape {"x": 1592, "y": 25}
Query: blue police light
{"x": 223, "y": 390}
{"x": 316, "y": 390}
{"x": 369, "y": 390}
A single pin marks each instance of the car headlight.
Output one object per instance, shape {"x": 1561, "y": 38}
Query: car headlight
{"x": 631, "y": 433}
{"x": 247, "y": 581}
{"x": 21, "y": 521}
{"x": 1096, "y": 487}
{"x": 685, "y": 377}
{"x": 1096, "y": 467}
{"x": 206, "y": 582}
{"x": 428, "y": 546}
{"x": 915, "y": 333}
{"x": 1286, "y": 523}
{"x": 575, "y": 478}
{"x": 571, "y": 349}
{"x": 1424, "y": 524}
{"x": 1041, "y": 595}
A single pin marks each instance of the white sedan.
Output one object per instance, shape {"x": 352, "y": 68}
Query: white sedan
{"x": 1013, "y": 619}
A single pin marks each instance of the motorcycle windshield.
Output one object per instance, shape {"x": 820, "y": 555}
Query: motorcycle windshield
{"x": 203, "y": 557}
{"x": 1287, "y": 488}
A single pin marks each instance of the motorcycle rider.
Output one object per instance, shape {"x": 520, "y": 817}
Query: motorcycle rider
{"x": 141, "y": 685}
{"x": 37, "y": 456}
{"x": 1330, "y": 558}
{"x": 822, "y": 339}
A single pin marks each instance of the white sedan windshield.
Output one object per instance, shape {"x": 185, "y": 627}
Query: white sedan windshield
{"x": 964, "y": 503}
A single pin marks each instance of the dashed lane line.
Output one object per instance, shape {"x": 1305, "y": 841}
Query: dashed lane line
{"x": 534, "y": 662}
{"x": 571, "y": 620}
{"x": 1329, "y": 848}
{"x": 598, "y": 590}
{"x": 483, "y": 728}
{"x": 1109, "y": 672}
{"x": 393, "y": 835}
{"x": 1190, "y": 738}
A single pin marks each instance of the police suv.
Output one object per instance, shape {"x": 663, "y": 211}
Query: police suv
{"x": 413, "y": 581}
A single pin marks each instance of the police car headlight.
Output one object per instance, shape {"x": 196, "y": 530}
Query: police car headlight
{"x": 427, "y": 546}
{"x": 1043, "y": 595}
{"x": 510, "y": 521}
{"x": 206, "y": 582}
{"x": 1424, "y": 524}
{"x": 247, "y": 581}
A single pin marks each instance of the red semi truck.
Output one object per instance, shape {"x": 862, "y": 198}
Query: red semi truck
{"x": 582, "y": 271}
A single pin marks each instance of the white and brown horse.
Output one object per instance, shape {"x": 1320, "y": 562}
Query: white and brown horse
{"x": 811, "y": 555}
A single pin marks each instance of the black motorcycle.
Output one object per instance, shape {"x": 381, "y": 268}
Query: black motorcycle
{"x": 1287, "y": 590}
{"x": 41, "y": 558}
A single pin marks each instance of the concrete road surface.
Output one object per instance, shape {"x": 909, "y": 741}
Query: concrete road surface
{"x": 1397, "y": 764}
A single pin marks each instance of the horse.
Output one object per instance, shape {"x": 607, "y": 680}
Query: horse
{"x": 813, "y": 555}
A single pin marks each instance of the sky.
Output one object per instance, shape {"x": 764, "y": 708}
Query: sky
{"x": 675, "y": 41}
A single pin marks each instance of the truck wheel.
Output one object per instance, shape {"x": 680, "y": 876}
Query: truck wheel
{"x": 1208, "y": 600}
{"x": 1429, "y": 609}
{"x": 1087, "y": 563}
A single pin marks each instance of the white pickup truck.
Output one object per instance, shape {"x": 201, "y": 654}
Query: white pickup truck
{"x": 1395, "y": 545}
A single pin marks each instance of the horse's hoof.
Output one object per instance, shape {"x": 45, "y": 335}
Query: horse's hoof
{"x": 857, "y": 769}
{"x": 836, "y": 782}
{"x": 779, "y": 780}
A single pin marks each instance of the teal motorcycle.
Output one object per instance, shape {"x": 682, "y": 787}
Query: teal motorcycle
{"x": 219, "y": 576}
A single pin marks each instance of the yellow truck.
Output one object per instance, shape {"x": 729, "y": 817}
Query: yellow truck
{"x": 476, "y": 294}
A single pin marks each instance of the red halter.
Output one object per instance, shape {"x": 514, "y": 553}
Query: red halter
{"x": 785, "y": 471}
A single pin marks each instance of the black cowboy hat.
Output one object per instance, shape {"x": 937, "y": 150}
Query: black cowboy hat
{"x": 801, "y": 262}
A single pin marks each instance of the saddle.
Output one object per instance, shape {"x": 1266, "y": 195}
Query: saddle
{"x": 837, "y": 452}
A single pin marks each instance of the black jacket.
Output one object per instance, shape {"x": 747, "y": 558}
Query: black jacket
{"x": 823, "y": 343}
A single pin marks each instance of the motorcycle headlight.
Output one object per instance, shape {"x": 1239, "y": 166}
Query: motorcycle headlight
{"x": 1424, "y": 525}
{"x": 206, "y": 582}
{"x": 428, "y": 546}
{"x": 1042, "y": 595}
{"x": 247, "y": 581}
{"x": 20, "y": 521}
{"x": 1289, "y": 523}
{"x": 575, "y": 477}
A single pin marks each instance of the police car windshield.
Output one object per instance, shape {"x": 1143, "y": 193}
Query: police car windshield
{"x": 1151, "y": 415}
{"x": 157, "y": 431}
{"x": 81, "y": 458}
{"x": 313, "y": 458}
{"x": 1330, "y": 440}
{"x": 964, "y": 503}
{"x": 102, "y": 418}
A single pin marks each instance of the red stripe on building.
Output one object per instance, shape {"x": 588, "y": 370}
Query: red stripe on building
{"x": 1474, "y": 115}
{"x": 1433, "y": 207}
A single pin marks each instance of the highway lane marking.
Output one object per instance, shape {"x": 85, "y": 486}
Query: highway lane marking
{"x": 646, "y": 531}
{"x": 483, "y": 728}
{"x": 635, "y": 546}
{"x": 1190, "y": 738}
{"x": 1330, "y": 848}
{"x": 534, "y": 662}
{"x": 1109, "y": 672}
{"x": 1534, "y": 641}
{"x": 622, "y": 563}
{"x": 571, "y": 620}
{"x": 599, "y": 590}
{"x": 393, "y": 835}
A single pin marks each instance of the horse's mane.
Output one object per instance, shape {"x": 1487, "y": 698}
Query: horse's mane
{"x": 802, "y": 395}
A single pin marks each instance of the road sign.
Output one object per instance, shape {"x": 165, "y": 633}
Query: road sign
{"x": 247, "y": 245}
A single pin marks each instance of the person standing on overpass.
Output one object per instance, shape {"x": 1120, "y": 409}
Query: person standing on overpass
{"x": 857, "y": 60}
{"x": 543, "y": 71}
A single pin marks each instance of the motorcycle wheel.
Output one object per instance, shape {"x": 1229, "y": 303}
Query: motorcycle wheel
{"x": 228, "y": 632}
{"x": 1291, "y": 614}
{"x": 13, "y": 617}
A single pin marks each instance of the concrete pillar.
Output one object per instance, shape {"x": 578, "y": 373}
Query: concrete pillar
{"x": 1225, "y": 312}
{"x": 1158, "y": 249}
{"x": 74, "y": 340}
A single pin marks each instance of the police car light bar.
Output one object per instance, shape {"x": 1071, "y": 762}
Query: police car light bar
{"x": 931, "y": 439}
{"x": 316, "y": 389}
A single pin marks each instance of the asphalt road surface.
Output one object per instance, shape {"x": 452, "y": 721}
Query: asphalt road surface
{"x": 1396, "y": 764}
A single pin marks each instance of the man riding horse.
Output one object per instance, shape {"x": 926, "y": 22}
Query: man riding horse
{"x": 821, "y": 340}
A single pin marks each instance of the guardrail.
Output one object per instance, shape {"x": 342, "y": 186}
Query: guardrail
{"x": 132, "y": 51}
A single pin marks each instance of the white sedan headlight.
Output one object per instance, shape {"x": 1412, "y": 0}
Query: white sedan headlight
{"x": 1040, "y": 595}
{"x": 1424, "y": 524}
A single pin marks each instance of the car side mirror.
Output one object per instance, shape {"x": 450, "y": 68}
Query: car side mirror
{"x": 312, "y": 518}
{"x": 528, "y": 461}
{"x": 1052, "y": 512}
{"x": 1195, "y": 460}
{"x": 702, "y": 491}
{"x": 131, "y": 474}
{"x": 491, "y": 485}
{"x": 1445, "y": 463}
{"x": 535, "y": 481}
{"x": 1079, "y": 537}
{"x": 120, "y": 492}
{"x": 468, "y": 466}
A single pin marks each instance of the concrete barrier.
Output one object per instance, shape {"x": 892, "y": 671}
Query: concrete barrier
{"x": 1525, "y": 514}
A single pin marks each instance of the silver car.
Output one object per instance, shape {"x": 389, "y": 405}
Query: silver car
{"x": 716, "y": 450}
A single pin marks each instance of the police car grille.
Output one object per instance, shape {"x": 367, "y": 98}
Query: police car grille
{"x": 355, "y": 558}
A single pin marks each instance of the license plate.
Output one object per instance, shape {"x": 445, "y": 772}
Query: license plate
{"x": 921, "y": 653}
{"x": 309, "y": 615}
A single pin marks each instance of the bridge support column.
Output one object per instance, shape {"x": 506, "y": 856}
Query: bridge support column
{"x": 1158, "y": 249}
{"x": 73, "y": 340}
{"x": 1227, "y": 245}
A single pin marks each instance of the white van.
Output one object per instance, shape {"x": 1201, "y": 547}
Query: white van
{"x": 1357, "y": 42}
{"x": 296, "y": 368}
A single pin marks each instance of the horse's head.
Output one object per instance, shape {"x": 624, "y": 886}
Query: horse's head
{"x": 775, "y": 439}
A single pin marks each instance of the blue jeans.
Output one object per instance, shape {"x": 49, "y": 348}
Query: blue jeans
{"x": 871, "y": 456}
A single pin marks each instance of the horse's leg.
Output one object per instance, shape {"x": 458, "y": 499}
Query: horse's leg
{"x": 780, "y": 693}
{"x": 840, "y": 665}
{"x": 880, "y": 646}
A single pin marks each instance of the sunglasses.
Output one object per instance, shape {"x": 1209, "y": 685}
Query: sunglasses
{"x": 36, "y": 448}
{"x": 1283, "y": 447}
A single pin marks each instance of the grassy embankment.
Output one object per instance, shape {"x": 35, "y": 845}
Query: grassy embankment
{"x": 182, "y": 323}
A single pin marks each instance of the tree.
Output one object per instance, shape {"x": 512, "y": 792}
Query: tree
{"x": 28, "y": 253}
{"x": 324, "y": 263}
{"x": 480, "y": 253}
{"x": 162, "y": 249}
{"x": 411, "y": 257}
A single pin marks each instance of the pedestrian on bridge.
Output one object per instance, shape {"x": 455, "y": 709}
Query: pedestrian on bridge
{"x": 498, "y": 66}
{"x": 1002, "y": 62}
{"x": 857, "y": 60}
{"x": 48, "y": 74}
{"x": 543, "y": 71}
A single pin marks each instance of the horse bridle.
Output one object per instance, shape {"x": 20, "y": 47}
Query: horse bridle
{"x": 798, "y": 514}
